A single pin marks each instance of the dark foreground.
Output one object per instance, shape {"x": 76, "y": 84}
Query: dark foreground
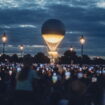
{"x": 58, "y": 85}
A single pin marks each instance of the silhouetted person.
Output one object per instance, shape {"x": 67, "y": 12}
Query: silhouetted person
{"x": 24, "y": 85}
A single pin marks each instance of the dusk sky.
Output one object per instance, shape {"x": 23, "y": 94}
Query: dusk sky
{"x": 22, "y": 21}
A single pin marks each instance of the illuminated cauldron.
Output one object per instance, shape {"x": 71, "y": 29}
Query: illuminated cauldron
{"x": 53, "y": 32}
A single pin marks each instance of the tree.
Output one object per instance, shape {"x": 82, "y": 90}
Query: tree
{"x": 98, "y": 61}
{"x": 69, "y": 57}
{"x": 14, "y": 58}
{"x": 41, "y": 58}
{"x": 86, "y": 60}
{"x": 4, "y": 58}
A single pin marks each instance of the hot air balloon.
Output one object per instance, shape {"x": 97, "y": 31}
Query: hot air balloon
{"x": 53, "y": 32}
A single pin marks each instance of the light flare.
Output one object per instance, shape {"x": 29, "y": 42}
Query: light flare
{"x": 52, "y": 40}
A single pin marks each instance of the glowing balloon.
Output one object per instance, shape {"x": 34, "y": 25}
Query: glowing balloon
{"x": 53, "y": 33}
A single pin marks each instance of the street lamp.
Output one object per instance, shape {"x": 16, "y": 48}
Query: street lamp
{"x": 71, "y": 48}
{"x": 82, "y": 41}
{"x": 4, "y": 40}
{"x": 21, "y": 47}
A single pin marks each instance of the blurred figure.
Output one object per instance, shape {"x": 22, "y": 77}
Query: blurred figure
{"x": 24, "y": 86}
{"x": 76, "y": 93}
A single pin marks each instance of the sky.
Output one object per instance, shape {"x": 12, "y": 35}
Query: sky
{"x": 22, "y": 21}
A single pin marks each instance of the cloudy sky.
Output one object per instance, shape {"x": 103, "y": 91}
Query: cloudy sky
{"x": 22, "y": 21}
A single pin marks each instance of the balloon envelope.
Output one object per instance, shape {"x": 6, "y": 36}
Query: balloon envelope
{"x": 53, "y": 33}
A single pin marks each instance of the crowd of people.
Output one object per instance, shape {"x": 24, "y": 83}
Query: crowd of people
{"x": 51, "y": 84}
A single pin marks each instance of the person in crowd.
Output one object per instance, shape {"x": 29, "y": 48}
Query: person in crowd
{"x": 27, "y": 83}
{"x": 26, "y": 78}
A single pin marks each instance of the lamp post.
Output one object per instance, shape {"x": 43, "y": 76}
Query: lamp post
{"x": 4, "y": 40}
{"x": 21, "y": 47}
{"x": 71, "y": 48}
{"x": 82, "y": 41}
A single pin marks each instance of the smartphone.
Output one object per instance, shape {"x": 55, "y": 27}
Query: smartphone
{"x": 10, "y": 72}
{"x": 18, "y": 69}
{"x": 80, "y": 75}
{"x": 94, "y": 79}
{"x": 67, "y": 75}
{"x": 54, "y": 78}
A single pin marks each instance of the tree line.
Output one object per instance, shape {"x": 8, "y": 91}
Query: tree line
{"x": 69, "y": 57}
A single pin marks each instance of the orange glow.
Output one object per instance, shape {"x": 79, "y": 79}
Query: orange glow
{"x": 82, "y": 40}
{"x": 53, "y": 54}
{"x": 71, "y": 49}
{"x": 21, "y": 47}
{"x": 52, "y": 40}
{"x": 4, "y": 39}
